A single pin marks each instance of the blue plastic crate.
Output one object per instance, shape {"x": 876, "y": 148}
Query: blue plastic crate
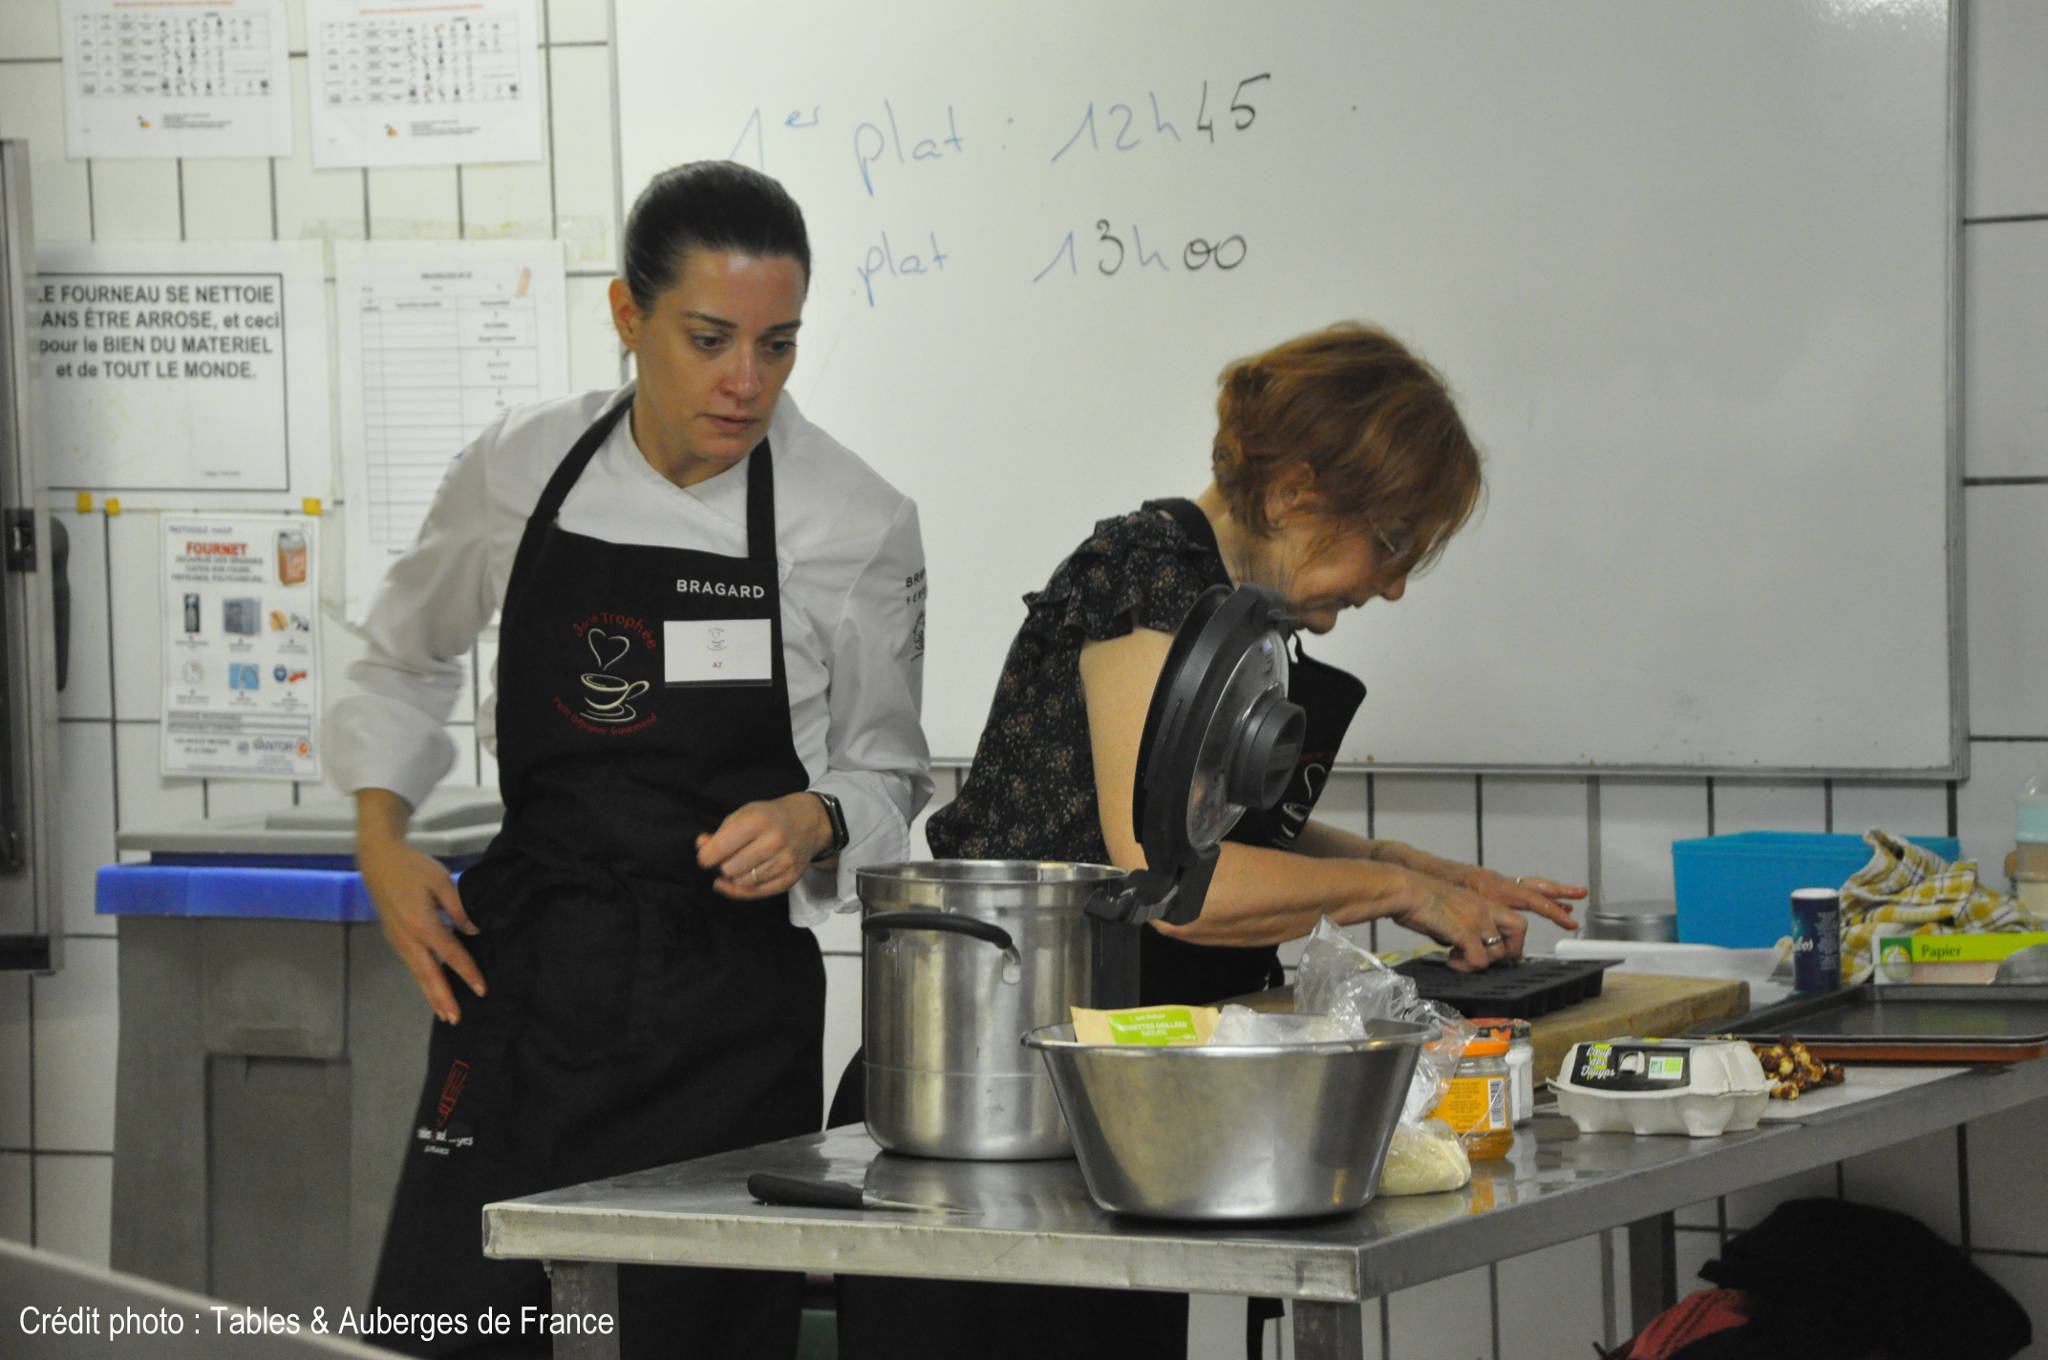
{"x": 1736, "y": 890}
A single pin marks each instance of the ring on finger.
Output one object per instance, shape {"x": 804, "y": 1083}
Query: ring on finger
{"x": 1490, "y": 941}
{"x": 754, "y": 875}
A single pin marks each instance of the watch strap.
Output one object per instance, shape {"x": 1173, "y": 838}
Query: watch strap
{"x": 837, "y": 816}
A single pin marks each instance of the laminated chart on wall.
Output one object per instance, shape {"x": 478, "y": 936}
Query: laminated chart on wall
{"x": 164, "y": 78}
{"x": 241, "y": 663}
{"x": 402, "y": 83}
{"x": 177, "y": 375}
{"x": 436, "y": 340}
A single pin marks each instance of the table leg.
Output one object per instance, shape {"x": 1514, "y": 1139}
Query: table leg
{"x": 590, "y": 1287}
{"x": 1652, "y": 1269}
{"x": 1328, "y": 1331}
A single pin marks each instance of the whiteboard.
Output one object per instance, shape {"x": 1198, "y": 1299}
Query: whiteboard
{"x": 1687, "y": 266}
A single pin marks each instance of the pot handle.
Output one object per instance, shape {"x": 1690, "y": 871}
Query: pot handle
{"x": 881, "y": 923}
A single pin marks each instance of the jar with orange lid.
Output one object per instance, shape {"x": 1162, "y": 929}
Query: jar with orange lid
{"x": 1476, "y": 1107}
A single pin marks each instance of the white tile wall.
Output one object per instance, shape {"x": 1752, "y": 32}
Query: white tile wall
{"x": 2005, "y": 342}
{"x": 75, "y": 1044}
{"x": 314, "y": 204}
{"x": 1639, "y": 818}
{"x": 74, "y": 1201}
{"x": 2005, "y": 158}
{"x": 1922, "y": 1177}
{"x": 29, "y": 31}
{"x": 1451, "y": 1318}
{"x": 1747, "y": 1209}
{"x": 85, "y": 835}
{"x": 1536, "y": 1318}
{"x": 135, "y": 557}
{"x": 1537, "y": 827}
{"x": 137, "y": 201}
{"x": 2008, "y": 566}
{"x": 227, "y": 200}
{"x": 2008, "y": 1193}
{"x": 1910, "y": 809}
{"x": 1767, "y": 805}
{"x": 586, "y": 195}
{"x": 17, "y": 1196}
{"x": 16, "y": 1073}
{"x": 148, "y": 798}
{"x": 412, "y": 203}
{"x": 57, "y": 1035}
{"x": 578, "y": 21}
{"x": 1984, "y": 805}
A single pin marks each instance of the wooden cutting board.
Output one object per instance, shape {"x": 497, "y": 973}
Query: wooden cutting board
{"x": 1646, "y": 1004}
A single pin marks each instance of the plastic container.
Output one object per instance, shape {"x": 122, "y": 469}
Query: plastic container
{"x": 1732, "y": 889}
{"x": 1657, "y": 921}
{"x": 2030, "y": 857}
{"x": 1700, "y": 1088}
{"x": 1521, "y": 1071}
{"x": 1477, "y": 1107}
{"x": 1521, "y": 1059}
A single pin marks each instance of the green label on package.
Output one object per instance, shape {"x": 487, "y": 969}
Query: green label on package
{"x": 1160, "y": 1025}
{"x": 1645, "y": 1066}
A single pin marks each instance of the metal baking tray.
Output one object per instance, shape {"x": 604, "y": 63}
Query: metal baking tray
{"x": 1909, "y": 1023}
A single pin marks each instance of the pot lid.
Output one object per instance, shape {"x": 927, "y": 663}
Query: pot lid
{"x": 1220, "y": 738}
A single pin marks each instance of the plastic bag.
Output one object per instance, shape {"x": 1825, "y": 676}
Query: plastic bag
{"x": 1423, "y": 1158}
{"x": 1339, "y": 979}
{"x": 1350, "y": 985}
{"x": 1243, "y": 1025}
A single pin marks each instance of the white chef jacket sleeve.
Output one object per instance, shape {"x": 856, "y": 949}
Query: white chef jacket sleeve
{"x": 388, "y": 730}
{"x": 878, "y": 765}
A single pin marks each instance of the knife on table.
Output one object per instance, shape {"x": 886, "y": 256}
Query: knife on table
{"x": 772, "y": 1187}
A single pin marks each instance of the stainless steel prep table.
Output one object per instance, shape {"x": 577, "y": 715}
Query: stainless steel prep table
{"x": 1032, "y": 1222}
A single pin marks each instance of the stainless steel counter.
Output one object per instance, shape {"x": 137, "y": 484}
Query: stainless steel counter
{"x": 1032, "y": 1222}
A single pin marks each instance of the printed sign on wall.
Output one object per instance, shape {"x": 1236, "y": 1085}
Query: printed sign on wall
{"x": 165, "y": 78}
{"x": 241, "y": 646}
{"x": 175, "y": 374}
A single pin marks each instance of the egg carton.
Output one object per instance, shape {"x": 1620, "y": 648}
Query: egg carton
{"x": 1699, "y": 1088}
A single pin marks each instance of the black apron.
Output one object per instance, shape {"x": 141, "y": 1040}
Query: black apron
{"x": 633, "y": 1016}
{"x": 912, "y": 1319}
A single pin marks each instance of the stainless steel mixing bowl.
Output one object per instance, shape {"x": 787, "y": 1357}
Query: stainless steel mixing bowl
{"x": 1215, "y": 1132}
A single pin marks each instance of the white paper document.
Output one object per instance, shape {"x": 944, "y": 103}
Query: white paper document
{"x": 164, "y": 78}
{"x": 397, "y": 82}
{"x": 436, "y": 338}
{"x": 177, "y": 374}
{"x": 241, "y": 646}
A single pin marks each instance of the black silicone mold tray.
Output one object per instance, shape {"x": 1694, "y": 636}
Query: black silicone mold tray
{"x": 1519, "y": 991}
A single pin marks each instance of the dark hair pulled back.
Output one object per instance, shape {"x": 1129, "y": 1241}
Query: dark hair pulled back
{"x": 709, "y": 205}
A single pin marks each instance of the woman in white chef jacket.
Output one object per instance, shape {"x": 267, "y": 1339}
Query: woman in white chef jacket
{"x": 706, "y": 713}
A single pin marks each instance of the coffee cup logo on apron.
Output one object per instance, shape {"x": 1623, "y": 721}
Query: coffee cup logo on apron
{"x": 602, "y": 698}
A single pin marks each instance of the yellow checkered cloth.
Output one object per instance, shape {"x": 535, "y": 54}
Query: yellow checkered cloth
{"x": 1907, "y": 889}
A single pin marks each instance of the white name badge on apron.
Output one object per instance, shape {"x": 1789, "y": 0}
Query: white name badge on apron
{"x": 717, "y": 652}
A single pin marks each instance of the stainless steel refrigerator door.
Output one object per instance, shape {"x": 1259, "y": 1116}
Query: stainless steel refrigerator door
{"x": 31, "y": 924}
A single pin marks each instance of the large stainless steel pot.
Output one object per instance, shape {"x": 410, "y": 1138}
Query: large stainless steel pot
{"x": 960, "y": 958}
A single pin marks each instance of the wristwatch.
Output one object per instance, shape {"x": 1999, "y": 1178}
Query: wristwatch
{"x": 838, "y": 818}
